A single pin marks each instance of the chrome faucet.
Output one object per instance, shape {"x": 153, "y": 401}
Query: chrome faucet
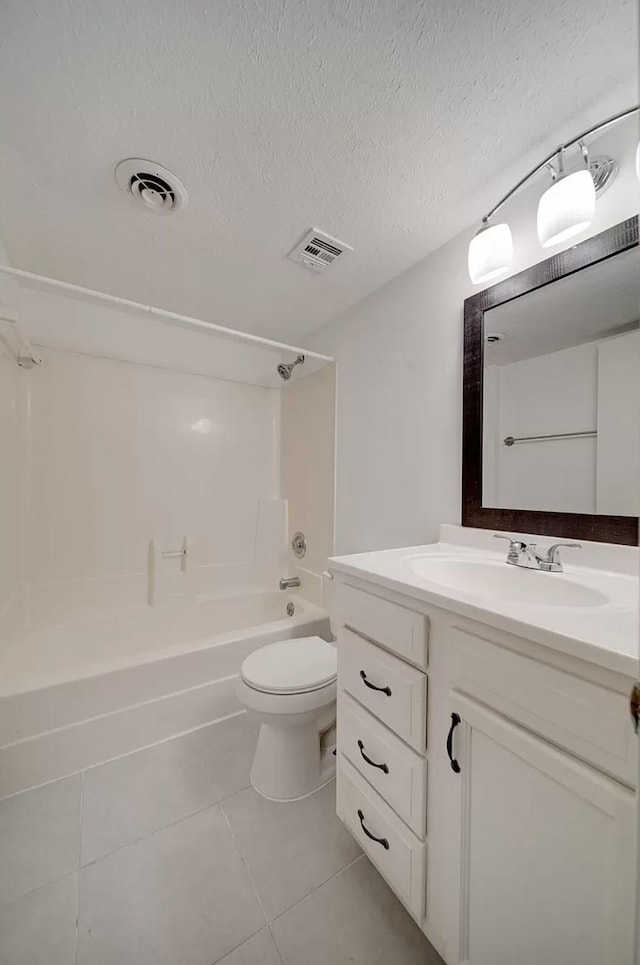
{"x": 525, "y": 555}
{"x": 289, "y": 583}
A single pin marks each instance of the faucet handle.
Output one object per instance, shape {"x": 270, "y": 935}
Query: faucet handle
{"x": 516, "y": 548}
{"x": 553, "y": 554}
{"x": 512, "y": 542}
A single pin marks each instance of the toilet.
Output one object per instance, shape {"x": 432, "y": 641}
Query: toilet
{"x": 290, "y": 688}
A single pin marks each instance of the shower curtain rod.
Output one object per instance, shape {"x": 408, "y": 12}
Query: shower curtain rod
{"x": 162, "y": 313}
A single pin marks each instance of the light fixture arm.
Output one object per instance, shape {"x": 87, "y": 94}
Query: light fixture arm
{"x": 558, "y": 152}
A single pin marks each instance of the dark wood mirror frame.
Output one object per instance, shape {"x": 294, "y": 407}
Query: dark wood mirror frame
{"x": 605, "y": 529}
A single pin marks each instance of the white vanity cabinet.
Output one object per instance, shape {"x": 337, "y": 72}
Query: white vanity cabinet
{"x": 490, "y": 780}
{"x": 382, "y": 728}
{"x": 545, "y": 854}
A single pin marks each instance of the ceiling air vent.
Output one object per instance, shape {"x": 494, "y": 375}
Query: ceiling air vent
{"x": 318, "y": 251}
{"x": 151, "y": 185}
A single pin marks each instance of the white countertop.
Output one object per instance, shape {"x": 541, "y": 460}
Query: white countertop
{"x": 606, "y": 635}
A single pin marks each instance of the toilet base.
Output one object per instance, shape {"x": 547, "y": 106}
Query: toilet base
{"x": 292, "y": 800}
{"x": 290, "y": 763}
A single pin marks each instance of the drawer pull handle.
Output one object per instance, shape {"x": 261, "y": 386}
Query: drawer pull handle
{"x": 383, "y": 690}
{"x": 382, "y": 841}
{"x": 455, "y": 720}
{"x": 383, "y": 767}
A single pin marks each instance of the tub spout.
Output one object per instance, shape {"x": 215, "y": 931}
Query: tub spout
{"x": 289, "y": 583}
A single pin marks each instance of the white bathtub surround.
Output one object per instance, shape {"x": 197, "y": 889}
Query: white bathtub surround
{"x": 484, "y": 735}
{"x": 178, "y": 827}
{"x": 14, "y": 437}
{"x": 88, "y": 691}
{"x": 289, "y": 688}
{"x": 171, "y": 572}
{"x": 272, "y": 540}
{"x": 12, "y": 519}
{"x": 110, "y": 455}
{"x": 123, "y": 453}
{"x": 308, "y": 441}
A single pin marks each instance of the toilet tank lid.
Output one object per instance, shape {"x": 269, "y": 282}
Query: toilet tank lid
{"x": 291, "y": 666}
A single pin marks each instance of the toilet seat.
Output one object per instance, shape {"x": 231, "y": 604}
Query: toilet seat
{"x": 296, "y": 666}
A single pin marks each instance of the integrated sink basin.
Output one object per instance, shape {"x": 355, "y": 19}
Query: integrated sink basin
{"x": 509, "y": 584}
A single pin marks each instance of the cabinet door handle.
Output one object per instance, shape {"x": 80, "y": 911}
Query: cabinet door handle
{"x": 383, "y": 690}
{"x": 455, "y": 720}
{"x": 383, "y": 767}
{"x": 382, "y": 841}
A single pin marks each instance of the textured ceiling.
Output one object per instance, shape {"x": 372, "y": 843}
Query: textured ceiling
{"x": 390, "y": 124}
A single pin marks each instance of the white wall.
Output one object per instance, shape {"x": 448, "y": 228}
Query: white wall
{"x": 398, "y": 410}
{"x": 122, "y": 453}
{"x": 399, "y": 355}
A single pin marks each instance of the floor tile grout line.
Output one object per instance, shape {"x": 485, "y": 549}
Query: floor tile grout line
{"x": 164, "y": 827}
{"x": 317, "y": 888}
{"x": 313, "y": 890}
{"x": 236, "y": 947}
{"x": 184, "y": 817}
{"x": 244, "y": 863}
{"x": 45, "y": 884}
{"x": 268, "y": 919}
{"x": 277, "y": 947}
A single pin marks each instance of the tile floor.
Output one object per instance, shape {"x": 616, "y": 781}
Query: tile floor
{"x": 168, "y": 856}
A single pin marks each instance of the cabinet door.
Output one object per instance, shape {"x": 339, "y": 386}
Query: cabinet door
{"x": 546, "y": 853}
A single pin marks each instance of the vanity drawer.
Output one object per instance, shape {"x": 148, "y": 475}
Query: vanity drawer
{"x": 586, "y": 719}
{"x": 398, "y": 629}
{"x": 397, "y": 773}
{"x": 399, "y": 855}
{"x": 389, "y": 688}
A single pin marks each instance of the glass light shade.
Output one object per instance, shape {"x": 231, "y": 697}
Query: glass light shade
{"x": 566, "y": 208}
{"x": 490, "y": 253}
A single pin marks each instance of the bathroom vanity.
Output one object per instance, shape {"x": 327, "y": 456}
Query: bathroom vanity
{"x": 487, "y": 759}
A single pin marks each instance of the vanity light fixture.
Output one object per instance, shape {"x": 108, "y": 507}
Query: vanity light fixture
{"x": 565, "y": 209}
{"x": 490, "y": 253}
{"x": 568, "y": 206}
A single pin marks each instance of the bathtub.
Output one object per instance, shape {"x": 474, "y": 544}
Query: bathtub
{"x": 76, "y": 695}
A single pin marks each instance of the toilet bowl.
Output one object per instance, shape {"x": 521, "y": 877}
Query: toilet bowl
{"x": 290, "y": 689}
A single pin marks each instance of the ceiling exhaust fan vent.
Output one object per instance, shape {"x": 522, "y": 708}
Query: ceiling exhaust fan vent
{"x": 151, "y": 185}
{"x": 318, "y": 251}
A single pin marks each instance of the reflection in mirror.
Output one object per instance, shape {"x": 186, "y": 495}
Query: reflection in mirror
{"x": 562, "y": 395}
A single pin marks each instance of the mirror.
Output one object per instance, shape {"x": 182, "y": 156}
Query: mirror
{"x": 562, "y": 395}
{"x": 552, "y": 358}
